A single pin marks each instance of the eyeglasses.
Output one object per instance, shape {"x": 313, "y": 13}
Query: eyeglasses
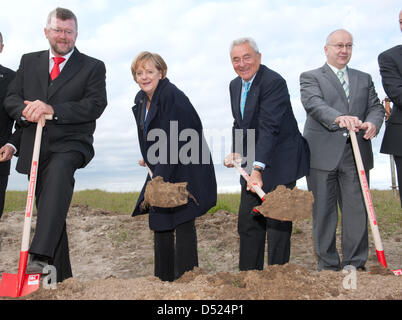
{"x": 340, "y": 46}
{"x": 245, "y": 59}
{"x": 61, "y": 31}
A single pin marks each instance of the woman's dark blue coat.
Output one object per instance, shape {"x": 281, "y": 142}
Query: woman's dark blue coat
{"x": 169, "y": 109}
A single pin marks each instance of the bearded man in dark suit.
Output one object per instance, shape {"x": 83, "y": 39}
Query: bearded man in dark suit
{"x": 6, "y": 125}
{"x": 75, "y": 95}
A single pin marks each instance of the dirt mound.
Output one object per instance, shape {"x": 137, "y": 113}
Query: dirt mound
{"x": 287, "y": 204}
{"x": 112, "y": 258}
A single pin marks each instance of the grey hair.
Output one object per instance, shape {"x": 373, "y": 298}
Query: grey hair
{"x": 62, "y": 14}
{"x": 248, "y": 40}
{"x": 332, "y": 33}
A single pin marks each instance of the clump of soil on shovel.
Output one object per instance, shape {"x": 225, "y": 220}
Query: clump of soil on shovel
{"x": 165, "y": 194}
{"x": 287, "y": 204}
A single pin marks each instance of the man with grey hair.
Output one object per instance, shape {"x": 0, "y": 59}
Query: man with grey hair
{"x": 6, "y": 125}
{"x": 71, "y": 87}
{"x": 338, "y": 99}
{"x": 261, "y": 108}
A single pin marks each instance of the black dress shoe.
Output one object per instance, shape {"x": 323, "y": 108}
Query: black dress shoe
{"x": 37, "y": 264}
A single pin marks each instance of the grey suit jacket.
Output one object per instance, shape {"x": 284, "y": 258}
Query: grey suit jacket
{"x": 324, "y": 99}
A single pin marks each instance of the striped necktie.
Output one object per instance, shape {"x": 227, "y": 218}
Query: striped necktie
{"x": 246, "y": 88}
{"x": 344, "y": 84}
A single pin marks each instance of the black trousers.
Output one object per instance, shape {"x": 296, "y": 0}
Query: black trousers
{"x": 175, "y": 251}
{"x": 54, "y": 191}
{"x": 3, "y": 187}
{"x": 254, "y": 229}
{"x": 398, "y": 163}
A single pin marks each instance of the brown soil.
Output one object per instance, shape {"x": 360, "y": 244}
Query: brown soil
{"x": 165, "y": 194}
{"x": 287, "y": 204}
{"x": 112, "y": 258}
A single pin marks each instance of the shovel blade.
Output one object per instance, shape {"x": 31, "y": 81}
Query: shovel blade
{"x": 397, "y": 272}
{"x": 9, "y": 285}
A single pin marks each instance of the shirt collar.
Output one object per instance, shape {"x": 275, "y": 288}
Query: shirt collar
{"x": 250, "y": 82}
{"x": 67, "y": 56}
{"x": 335, "y": 69}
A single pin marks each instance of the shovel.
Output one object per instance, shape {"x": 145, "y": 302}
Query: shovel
{"x": 21, "y": 284}
{"x": 293, "y": 204}
{"x": 369, "y": 204}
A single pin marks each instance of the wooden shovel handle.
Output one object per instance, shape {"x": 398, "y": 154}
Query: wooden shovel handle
{"x": 247, "y": 177}
{"x": 367, "y": 199}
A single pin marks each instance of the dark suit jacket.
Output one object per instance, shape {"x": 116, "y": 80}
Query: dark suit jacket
{"x": 390, "y": 63}
{"x": 78, "y": 97}
{"x": 6, "y": 122}
{"x": 170, "y": 105}
{"x": 278, "y": 141}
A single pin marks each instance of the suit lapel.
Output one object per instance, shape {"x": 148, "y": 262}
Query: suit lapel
{"x": 333, "y": 79}
{"x": 236, "y": 92}
{"x": 252, "y": 99}
{"x": 353, "y": 83}
{"x": 42, "y": 68}
{"x": 73, "y": 65}
{"x": 156, "y": 101}
{"x": 251, "y": 103}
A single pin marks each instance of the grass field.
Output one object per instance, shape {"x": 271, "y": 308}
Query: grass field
{"x": 386, "y": 206}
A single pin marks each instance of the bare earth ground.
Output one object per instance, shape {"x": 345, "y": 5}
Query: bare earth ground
{"x": 112, "y": 258}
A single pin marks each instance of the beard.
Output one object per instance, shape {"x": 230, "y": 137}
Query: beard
{"x": 61, "y": 48}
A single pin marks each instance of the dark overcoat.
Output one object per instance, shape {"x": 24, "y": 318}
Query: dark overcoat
{"x": 173, "y": 147}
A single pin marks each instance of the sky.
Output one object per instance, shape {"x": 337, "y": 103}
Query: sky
{"x": 194, "y": 38}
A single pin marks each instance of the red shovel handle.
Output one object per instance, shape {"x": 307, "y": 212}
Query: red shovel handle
{"x": 367, "y": 199}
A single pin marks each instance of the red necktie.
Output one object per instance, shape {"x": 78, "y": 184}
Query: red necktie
{"x": 56, "y": 69}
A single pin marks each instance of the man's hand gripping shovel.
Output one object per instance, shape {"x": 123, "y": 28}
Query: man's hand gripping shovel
{"x": 283, "y": 204}
{"x": 235, "y": 161}
{"x": 21, "y": 284}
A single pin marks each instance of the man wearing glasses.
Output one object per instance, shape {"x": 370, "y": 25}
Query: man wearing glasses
{"x": 338, "y": 99}
{"x": 70, "y": 86}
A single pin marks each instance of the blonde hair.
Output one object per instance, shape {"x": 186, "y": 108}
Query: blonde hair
{"x": 145, "y": 56}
